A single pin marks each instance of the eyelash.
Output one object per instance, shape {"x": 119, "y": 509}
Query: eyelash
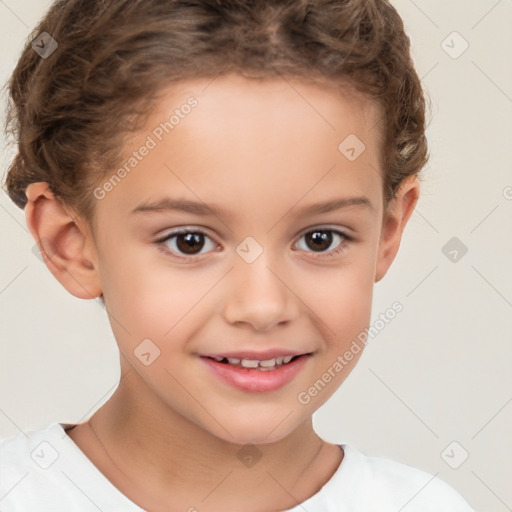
{"x": 328, "y": 254}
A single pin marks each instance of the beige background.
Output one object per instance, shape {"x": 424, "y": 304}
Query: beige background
{"x": 438, "y": 373}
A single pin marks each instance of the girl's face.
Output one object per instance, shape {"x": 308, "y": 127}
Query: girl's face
{"x": 260, "y": 272}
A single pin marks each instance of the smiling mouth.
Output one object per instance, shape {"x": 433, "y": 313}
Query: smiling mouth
{"x": 253, "y": 364}
{"x": 264, "y": 375}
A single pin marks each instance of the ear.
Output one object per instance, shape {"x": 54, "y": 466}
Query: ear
{"x": 394, "y": 219}
{"x": 67, "y": 249}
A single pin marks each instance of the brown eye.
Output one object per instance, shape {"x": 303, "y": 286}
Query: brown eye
{"x": 188, "y": 243}
{"x": 185, "y": 242}
{"x": 320, "y": 240}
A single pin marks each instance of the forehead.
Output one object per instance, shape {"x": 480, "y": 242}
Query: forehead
{"x": 232, "y": 134}
{"x": 271, "y": 106}
{"x": 274, "y": 99}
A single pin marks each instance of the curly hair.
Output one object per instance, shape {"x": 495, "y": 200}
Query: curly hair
{"x": 71, "y": 112}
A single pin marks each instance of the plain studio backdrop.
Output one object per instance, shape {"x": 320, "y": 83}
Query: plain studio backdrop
{"x": 434, "y": 387}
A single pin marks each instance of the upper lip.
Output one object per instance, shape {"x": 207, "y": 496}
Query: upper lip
{"x": 264, "y": 355}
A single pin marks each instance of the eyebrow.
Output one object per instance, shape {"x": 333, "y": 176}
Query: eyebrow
{"x": 198, "y": 208}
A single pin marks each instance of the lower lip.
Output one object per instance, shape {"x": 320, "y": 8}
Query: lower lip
{"x": 257, "y": 381}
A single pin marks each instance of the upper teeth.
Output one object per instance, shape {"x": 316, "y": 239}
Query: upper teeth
{"x": 254, "y": 363}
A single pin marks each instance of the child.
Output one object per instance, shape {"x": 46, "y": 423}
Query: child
{"x": 285, "y": 140}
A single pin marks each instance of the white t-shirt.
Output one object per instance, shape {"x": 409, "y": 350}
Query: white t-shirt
{"x": 45, "y": 471}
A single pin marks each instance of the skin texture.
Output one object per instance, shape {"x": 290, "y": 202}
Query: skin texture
{"x": 171, "y": 432}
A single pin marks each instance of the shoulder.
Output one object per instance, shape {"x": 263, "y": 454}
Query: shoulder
{"x": 43, "y": 471}
{"x": 377, "y": 483}
{"x": 21, "y": 452}
{"x": 25, "y": 468}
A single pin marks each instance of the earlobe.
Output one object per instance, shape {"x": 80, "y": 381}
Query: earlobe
{"x": 394, "y": 221}
{"x": 61, "y": 242}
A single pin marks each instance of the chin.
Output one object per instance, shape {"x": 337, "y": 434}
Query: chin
{"x": 254, "y": 432}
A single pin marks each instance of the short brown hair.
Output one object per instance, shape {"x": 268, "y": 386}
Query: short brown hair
{"x": 70, "y": 113}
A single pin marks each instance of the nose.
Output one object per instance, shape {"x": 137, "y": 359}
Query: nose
{"x": 257, "y": 294}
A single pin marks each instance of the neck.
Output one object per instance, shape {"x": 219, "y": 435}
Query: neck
{"x": 159, "y": 456}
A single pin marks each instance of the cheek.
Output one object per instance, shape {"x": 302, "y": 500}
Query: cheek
{"x": 341, "y": 294}
{"x": 149, "y": 299}
{"x": 341, "y": 300}
{"x": 132, "y": 290}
